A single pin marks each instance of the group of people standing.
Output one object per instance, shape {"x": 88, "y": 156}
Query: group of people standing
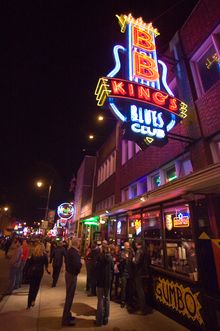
{"x": 111, "y": 272}
{"x": 118, "y": 275}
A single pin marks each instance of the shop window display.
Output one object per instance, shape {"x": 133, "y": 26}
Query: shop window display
{"x": 180, "y": 248}
{"x": 152, "y": 233}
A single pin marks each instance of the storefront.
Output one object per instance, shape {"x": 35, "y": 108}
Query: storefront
{"x": 180, "y": 229}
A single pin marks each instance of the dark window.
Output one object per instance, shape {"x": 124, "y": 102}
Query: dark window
{"x": 209, "y": 68}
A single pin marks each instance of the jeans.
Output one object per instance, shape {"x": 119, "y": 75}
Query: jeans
{"x": 103, "y": 305}
{"x": 56, "y": 273}
{"x": 127, "y": 290}
{"x": 71, "y": 281}
{"x": 13, "y": 276}
{"x": 34, "y": 288}
{"x": 140, "y": 293}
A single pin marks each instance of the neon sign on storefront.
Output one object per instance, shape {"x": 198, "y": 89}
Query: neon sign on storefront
{"x": 140, "y": 96}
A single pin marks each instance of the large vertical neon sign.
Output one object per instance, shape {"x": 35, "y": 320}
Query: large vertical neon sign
{"x": 140, "y": 96}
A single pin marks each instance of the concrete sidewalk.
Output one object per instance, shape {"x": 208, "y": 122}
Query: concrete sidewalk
{"x": 46, "y": 315}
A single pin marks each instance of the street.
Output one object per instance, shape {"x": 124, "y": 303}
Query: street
{"x": 47, "y": 312}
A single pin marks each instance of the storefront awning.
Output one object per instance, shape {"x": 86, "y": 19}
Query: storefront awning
{"x": 206, "y": 181}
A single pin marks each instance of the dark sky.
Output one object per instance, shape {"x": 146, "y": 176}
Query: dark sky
{"x": 52, "y": 54}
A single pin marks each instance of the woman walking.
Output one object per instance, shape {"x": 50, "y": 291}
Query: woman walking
{"x": 38, "y": 262}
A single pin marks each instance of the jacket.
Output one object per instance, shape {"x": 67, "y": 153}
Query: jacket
{"x": 73, "y": 261}
{"x": 104, "y": 270}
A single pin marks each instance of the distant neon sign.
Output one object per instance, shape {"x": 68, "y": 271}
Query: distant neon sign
{"x": 142, "y": 98}
{"x": 65, "y": 211}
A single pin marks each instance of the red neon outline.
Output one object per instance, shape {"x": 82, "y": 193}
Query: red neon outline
{"x": 142, "y": 39}
{"x": 144, "y": 67}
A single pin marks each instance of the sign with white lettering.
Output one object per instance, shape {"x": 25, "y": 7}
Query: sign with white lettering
{"x": 140, "y": 97}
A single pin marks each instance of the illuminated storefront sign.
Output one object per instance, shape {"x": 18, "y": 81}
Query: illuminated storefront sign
{"x": 65, "y": 211}
{"x": 181, "y": 221}
{"x": 178, "y": 298}
{"x": 137, "y": 224}
{"x": 141, "y": 99}
{"x": 91, "y": 221}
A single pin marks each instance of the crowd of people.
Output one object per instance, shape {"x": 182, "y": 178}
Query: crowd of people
{"x": 113, "y": 272}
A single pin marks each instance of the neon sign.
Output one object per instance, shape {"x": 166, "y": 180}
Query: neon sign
{"x": 140, "y": 97}
{"x": 181, "y": 221}
{"x": 65, "y": 211}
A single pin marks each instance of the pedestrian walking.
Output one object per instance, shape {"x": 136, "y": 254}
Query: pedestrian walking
{"x": 24, "y": 257}
{"x": 57, "y": 256}
{"x": 37, "y": 264}
{"x": 73, "y": 267}
{"x": 14, "y": 256}
{"x": 104, "y": 271}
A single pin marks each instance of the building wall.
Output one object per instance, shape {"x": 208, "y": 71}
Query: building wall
{"x": 84, "y": 184}
{"x": 205, "y": 16}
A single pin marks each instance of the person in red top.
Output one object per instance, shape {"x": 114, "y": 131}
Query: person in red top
{"x": 24, "y": 257}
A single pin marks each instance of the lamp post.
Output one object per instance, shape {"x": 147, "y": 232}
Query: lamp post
{"x": 40, "y": 184}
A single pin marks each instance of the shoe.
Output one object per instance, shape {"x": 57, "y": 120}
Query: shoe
{"x": 7, "y": 293}
{"x": 32, "y": 303}
{"x": 69, "y": 323}
{"x": 122, "y": 304}
{"x": 141, "y": 312}
{"x": 28, "y": 308}
{"x": 72, "y": 318}
{"x": 105, "y": 322}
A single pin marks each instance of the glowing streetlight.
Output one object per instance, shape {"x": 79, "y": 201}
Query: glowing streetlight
{"x": 39, "y": 184}
{"x": 6, "y": 208}
{"x": 100, "y": 118}
{"x": 91, "y": 136}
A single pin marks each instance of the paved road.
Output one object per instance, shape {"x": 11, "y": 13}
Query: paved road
{"x": 46, "y": 315}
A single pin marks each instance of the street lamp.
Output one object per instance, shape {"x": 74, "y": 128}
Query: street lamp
{"x": 41, "y": 184}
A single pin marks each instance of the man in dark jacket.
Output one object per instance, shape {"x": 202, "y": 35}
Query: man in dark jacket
{"x": 73, "y": 267}
{"x": 104, "y": 271}
{"x": 56, "y": 258}
{"x": 139, "y": 261}
{"x": 126, "y": 272}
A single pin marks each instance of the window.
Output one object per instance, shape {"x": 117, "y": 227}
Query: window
{"x": 151, "y": 222}
{"x": 107, "y": 168}
{"x": 183, "y": 166}
{"x": 180, "y": 249}
{"x": 155, "y": 181}
{"x": 215, "y": 149}
{"x": 209, "y": 68}
{"x": 142, "y": 185}
{"x": 205, "y": 64}
{"x": 170, "y": 174}
{"x": 124, "y": 151}
{"x": 124, "y": 195}
{"x": 133, "y": 191}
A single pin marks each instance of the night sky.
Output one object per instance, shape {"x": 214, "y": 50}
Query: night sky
{"x": 52, "y": 54}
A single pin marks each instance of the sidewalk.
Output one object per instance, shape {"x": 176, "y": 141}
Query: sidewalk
{"x": 46, "y": 315}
